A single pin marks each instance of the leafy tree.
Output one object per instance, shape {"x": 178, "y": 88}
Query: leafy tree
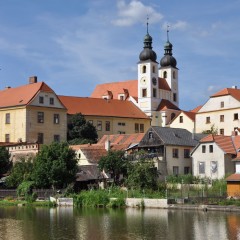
{"x": 5, "y": 163}
{"x": 54, "y": 166}
{"x": 212, "y": 130}
{"x": 21, "y": 171}
{"x": 142, "y": 174}
{"x": 113, "y": 163}
{"x": 81, "y": 131}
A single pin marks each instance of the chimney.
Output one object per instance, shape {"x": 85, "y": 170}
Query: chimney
{"x": 32, "y": 79}
{"x": 234, "y": 87}
{"x": 7, "y": 87}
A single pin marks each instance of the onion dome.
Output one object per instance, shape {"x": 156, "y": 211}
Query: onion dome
{"x": 147, "y": 52}
{"x": 168, "y": 60}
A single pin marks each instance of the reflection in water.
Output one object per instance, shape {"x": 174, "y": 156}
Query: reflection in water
{"x": 67, "y": 223}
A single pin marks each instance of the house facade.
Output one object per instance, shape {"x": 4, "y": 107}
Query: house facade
{"x": 109, "y": 116}
{"x": 170, "y": 149}
{"x": 32, "y": 113}
{"x": 212, "y": 157}
{"x": 222, "y": 111}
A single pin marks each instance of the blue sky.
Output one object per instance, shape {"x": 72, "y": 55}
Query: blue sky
{"x": 73, "y": 45}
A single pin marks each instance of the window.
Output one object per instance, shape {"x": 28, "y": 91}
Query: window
{"x": 165, "y": 74}
{"x": 144, "y": 92}
{"x": 150, "y": 135}
{"x": 136, "y": 127}
{"x": 214, "y": 166}
{"x": 56, "y": 118}
{"x": 51, "y": 101}
{"x": 144, "y": 69}
{"x": 201, "y": 167}
{"x": 141, "y": 127}
{"x": 186, "y": 153}
{"x": 99, "y": 125}
{"x": 7, "y": 120}
{"x": 222, "y": 131}
{"x": 56, "y": 138}
{"x": 175, "y": 170}
{"x": 235, "y": 116}
{"x": 174, "y": 75}
{"x": 121, "y": 132}
{"x": 222, "y": 104}
{"x": 154, "y": 92}
{"x": 174, "y": 97}
{"x": 121, "y": 124}
{"x": 186, "y": 170}
{"x": 221, "y": 118}
{"x": 181, "y": 119}
{"x": 210, "y": 148}
{"x": 203, "y": 148}
{"x": 40, "y": 138}
{"x": 208, "y": 120}
{"x": 41, "y": 99}
{"x": 7, "y": 138}
{"x": 40, "y": 117}
{"x": 153, "y": 69}
{"x": 107, "y": 126}
{"x": 175, "y": 153}
{"x": 121, "y": 97}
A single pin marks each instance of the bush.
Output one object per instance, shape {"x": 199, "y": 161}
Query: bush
{"x": 25, "y": 189}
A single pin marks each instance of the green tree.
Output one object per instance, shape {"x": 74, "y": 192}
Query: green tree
{"x": 212, "y": 130}
{"x": 142, "y": 174}
{"x": 81, "y": 131}
{"x": 5, "y": 163}
{"x": 113, "y": 163}
{"x": 21, "y": 171}
{"x": 54, "y": 166}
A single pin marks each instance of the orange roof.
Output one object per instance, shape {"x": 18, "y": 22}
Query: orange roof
{"x": 102, "y": 107}
{"x": 122, "y": 138}
{"x": 234, "y": 177}
{"x": 195, "y": 110}
{"x": 224, "y": 142}
{"x": 162, "y": 84}
{"x": 22, "y": 95}
{"x": 116, "y": 88}
{"x": 191, "y": 115}
{"x": 228, "y": 91}
{"x": 166, "y": 104}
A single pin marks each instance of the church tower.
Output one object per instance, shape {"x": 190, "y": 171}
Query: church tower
{"x": 148, "y": 98}
{"x": 169, "y": 71}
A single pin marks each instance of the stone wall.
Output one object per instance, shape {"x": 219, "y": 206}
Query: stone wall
{"x": 146, "y": 202}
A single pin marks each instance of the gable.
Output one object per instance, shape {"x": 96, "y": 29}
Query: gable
{"x": 151, "y": 138}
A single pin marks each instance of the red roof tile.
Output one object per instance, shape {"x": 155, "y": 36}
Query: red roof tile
{"x": 195, "y": 110}
{"x": 191, "y": 115}
{"x": 162, "y": 84}
{"x": 228, "y": 91}
{"x": 233, "y": 178}
{"x": 22, "y": 95}
{"x": 102, "y": 107}
{"x": 166, "y": 104}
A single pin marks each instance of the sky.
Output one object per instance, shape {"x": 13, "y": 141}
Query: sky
{"x": 73, "y": 45}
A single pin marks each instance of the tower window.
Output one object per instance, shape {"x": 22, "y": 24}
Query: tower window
{"x": 174, "y": 75}
{"x": 153, "y": 69}
{"x": 144, "y": 92}
{"x": 174, "y": 97}
{"x": 154, "y": 92}
{"x": 165, "y": 74}
{"x": 144, "y": 69}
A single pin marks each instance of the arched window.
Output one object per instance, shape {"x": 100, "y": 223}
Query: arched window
{"x": 165, "y": 74}
{"x": 173, "y": 116}
{"x": 144, "y": 69}
{"x": 174, "y": 74}
{"x": 153, "y": 69}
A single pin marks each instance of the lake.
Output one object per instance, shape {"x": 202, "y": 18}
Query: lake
{"x": 17, "y": 223}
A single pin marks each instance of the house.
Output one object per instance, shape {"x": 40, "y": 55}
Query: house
{"x": 32, "y": 113}
{"x": 222, "y": 111}
{"x": 184, "y": 120}
{"x": 170, "y": 149}
{"x": 212, "y": 157}
{"x": 109, "y": 116}
{"x": 156, "y": 90}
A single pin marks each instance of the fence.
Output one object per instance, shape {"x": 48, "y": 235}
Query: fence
{"x": 41, "y": 193}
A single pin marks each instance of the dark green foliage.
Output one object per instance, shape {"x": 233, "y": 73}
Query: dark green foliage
{"x": 54, "y": 166}
{"x": 113, "y": 163}
{"x": 21, "y": 171}
{"x": 80, "y": 131}
{"x": 212, "y": 130}
{"x": 142, "y": 174}
{"x": 25, "y": 189}
{"x": 186, "y": 179}
{"x": 5, "y": 163}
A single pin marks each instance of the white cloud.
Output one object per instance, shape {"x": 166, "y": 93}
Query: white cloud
{"x": 135, "y": 12}
{"x": 179, "y": 25}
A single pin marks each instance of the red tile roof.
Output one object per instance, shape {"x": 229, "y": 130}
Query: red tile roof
{"x": 166, "y": 104}
{"x": 162, "y": 84}
{"x": 224, "y": 142}
{"x": 195, "y": 110}
{"x": 102, "y": 107}
{"x": 233, "y": 178}
{"x": 116, "y": 88}
{"x": 22, "y": 95}
{"x": 228, "y": 91}
{"x": 191, "y": 115}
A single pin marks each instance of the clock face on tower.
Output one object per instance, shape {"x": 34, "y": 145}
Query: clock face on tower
{"x": 154, "y": 81}
{"x": 143, "y": 80}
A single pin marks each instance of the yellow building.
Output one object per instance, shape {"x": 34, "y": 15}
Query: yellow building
{"x": 32, "y": 113}
{"x": 109, "y": 116}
